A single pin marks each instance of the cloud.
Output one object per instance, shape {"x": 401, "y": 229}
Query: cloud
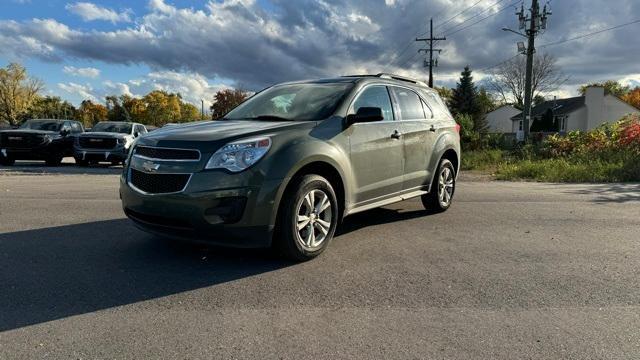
{"x": 192, "y": 87}
{"x": 254, "y": 46}
{"x": 87, "y": 72}
{"x": 85, "y": 92}
{"x": 91, "y": 12}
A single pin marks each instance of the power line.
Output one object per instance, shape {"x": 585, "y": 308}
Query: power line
{"x": 458, "y": 14}
{"x": 417, "y": 33}
{"x": 589, "y": 34}
{"x": 408, "y": 46}
{"x": 483, "y": 19}
{"x": 475, "y": 16}
{"x": 498, "y": 64}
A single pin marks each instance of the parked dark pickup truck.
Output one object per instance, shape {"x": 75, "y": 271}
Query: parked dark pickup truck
{"x": 107, "y": 141}
{"x": 48, "y": 140}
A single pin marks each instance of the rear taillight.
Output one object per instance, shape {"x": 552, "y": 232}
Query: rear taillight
{"x": 458, "y": 128}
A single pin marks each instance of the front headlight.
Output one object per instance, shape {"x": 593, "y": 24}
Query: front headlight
{"x": 239, "y": 155}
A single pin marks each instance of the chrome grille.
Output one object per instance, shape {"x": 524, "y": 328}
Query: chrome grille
{"x": 159, "y": 153}
{"x": 97, "y": 142}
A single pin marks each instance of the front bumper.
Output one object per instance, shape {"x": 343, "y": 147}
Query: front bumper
{"x": 40, "y": 152}
{"x": 108, "y": 155}
{"x": 208, "y": 209}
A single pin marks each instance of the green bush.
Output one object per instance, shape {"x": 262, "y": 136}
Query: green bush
{"x": 610, "y": 153}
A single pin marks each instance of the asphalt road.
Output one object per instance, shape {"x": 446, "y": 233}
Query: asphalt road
{"x": 512, "y": 270}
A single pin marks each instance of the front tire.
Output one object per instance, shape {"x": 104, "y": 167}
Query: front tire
{"x": 308, "y": 219}
{"x": 443, "y": 188}
{"x": 82, "y": 163}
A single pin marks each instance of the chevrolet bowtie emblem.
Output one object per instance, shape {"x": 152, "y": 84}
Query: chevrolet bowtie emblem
{"x": 148, "y": 166}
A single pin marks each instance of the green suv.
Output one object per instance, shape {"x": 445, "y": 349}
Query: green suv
{"x": 286, "y": 166}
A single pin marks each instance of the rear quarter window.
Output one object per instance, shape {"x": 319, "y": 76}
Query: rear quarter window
{"x": 440, "y": 110}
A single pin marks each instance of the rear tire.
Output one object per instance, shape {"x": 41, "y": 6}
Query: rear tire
{"x": 6, "y": 161}
{"x": 308, "y": 219}
{"x": 54, "y": 160}
{"x": 443, "y": 188}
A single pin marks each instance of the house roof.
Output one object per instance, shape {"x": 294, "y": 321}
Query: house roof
{"x": 502, "y": 107}
{"x": 559, "y": 107}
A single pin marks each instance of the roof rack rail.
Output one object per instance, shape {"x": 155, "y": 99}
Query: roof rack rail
{"x": 400, "y": 78}
{"x": 357, "y": 76}
{"x": 389, "y": 76}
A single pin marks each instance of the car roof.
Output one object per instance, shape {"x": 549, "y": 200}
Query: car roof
{"x": 390, "y": 79}
{"x": 55, "y": 120}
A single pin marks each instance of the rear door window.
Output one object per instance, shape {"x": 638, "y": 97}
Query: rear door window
{"x": 409, "y": 104}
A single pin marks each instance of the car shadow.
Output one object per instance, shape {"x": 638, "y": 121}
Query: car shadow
{"x": 68, "y": 167}
{"x": 378, "y": 216}
{"x": 53, "y": 273}
{"x": 611, "y": 193}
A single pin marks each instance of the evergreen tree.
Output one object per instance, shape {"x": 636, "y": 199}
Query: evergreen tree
{"x": 465, "y": 100}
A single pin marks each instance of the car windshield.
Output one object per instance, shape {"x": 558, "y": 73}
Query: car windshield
{"x": 44, "y": 125}
{"x": 293, "y": 102}
{"x": 122, "y": 128}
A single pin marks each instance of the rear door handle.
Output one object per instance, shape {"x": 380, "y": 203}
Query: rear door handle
{"x": 432, "y": 128}
{"x": 396, "y": 134}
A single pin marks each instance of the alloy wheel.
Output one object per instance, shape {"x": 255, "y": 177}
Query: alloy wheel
{"x": 314, "y": 219}
{"x": 446, "y": 183}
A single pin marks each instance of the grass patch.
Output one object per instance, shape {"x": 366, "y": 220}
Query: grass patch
{"x": 482, "y": 159}
{"x": 563, "y": 170}
{"x": 580, "y": 169}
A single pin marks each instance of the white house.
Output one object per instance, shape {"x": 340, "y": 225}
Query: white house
{"x": 499, "y": 120}
{"x": 580, "y": 113}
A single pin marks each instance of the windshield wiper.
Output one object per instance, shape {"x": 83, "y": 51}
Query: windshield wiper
{"x": 269, "y": 118}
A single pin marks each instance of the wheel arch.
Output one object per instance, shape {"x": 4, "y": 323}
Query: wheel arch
{"x": 317, "y": 165}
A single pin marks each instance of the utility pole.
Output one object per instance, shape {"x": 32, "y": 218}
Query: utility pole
{"x": 202, "y": 110}
{"x": 537, "y": 21}
{"x": 431, "y": 64}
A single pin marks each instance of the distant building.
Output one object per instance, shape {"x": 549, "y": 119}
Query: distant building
{"x": 580, "y": 113}
{"x": 499, "y": 120}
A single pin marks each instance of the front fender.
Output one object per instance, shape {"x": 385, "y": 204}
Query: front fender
{"x": 290, "y": 159}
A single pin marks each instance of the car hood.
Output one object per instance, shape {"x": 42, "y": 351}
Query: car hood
{"x": 211, "y": 135}
{"x": 28, "y": 132}
{"x": 104, "y": 135}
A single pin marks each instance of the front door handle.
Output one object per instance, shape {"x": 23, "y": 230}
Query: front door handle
{"x": 396, "y": 134}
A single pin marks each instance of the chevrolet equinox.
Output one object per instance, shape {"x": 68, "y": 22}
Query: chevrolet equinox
{"x": 286, "y": 166}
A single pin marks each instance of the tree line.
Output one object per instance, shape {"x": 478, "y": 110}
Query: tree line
{"x": 21, "y": 99}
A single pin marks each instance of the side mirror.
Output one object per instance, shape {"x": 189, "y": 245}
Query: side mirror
{"x": 65, "y": 132}
{"x": 136, "y": 134}
{"x": 365, "y": 114}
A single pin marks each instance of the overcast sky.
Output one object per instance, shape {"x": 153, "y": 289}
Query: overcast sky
{"x": 85, "y": 50}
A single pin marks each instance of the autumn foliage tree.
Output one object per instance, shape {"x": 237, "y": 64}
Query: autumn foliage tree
{"x": 18, "y": 91}
{"x": 225, "y": 101}
{"x": 610, "y": 87}
{"x": 90, "y": 113}
{"x": 633, "y": 97}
